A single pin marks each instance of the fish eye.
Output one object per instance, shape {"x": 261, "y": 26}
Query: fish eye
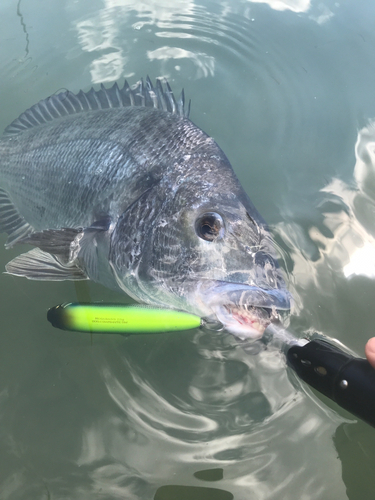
{"x": 209, "y": 226}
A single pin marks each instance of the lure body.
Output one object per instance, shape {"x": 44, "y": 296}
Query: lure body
{"x": 113, "y": 318}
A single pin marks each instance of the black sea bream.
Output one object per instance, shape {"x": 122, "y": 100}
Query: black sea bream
{"x": 119, "y": 186}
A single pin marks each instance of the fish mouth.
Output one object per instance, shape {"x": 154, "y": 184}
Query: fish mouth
{"x": 245, "y": 310}
{"x": 245, "y": 322}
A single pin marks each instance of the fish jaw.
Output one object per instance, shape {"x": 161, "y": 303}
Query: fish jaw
{"x": 243, "y": 310}
{"x": 245, "y": 323}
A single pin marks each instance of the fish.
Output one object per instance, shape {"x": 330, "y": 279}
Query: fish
{"x": 119, "y": 186}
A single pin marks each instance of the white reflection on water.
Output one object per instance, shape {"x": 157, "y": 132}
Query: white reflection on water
{"x": 364, "y": 171}
{"x": 323, "y": 14}
{"x": 154, "y": 10}
{"x": 105, "y": 32}
{"x": 349, "y": 247}
{"x": 100, "y": 34}
{"x": 320, "y": 12}
{"x": 293, "y": 5}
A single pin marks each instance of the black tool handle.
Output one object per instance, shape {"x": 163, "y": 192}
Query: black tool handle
{"x": 347, "y": 380}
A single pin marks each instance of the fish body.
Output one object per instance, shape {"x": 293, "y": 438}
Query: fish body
{"x": 119, "y": 186}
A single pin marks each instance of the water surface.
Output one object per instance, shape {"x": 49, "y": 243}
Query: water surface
{"x": 287, "y": 90}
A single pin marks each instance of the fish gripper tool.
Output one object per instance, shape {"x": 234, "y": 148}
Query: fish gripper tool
{"x": 343, "y": 378}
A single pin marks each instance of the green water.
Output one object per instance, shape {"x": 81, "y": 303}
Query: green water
{"x": 287, "y": 88}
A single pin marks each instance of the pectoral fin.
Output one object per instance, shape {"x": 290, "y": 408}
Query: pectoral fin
{"x": 62, "y": 254}
{"x": 39, "y": 265}
{"x": 59, "y": 242}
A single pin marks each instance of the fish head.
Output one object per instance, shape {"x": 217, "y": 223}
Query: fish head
{"x": 206, "y": 250}
{"x": 230, "y": 265}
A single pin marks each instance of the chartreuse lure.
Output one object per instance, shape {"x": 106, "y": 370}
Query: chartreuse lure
{"x": 118, "y": 318}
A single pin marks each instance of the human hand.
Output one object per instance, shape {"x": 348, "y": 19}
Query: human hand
{"x": 370, "y": 351}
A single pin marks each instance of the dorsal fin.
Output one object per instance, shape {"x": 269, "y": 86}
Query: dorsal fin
{"x": 67, "y": 103}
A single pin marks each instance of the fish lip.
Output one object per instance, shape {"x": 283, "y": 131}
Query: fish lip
{"x": 242, "y": 295}
{"x": 245, "y": 310}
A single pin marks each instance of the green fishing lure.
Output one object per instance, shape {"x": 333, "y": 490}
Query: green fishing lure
{"x": 118, "y": 318}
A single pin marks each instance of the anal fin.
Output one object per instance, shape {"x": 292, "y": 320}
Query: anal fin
{"x": 39, "y": 265}
{"x": 11, "y": 221}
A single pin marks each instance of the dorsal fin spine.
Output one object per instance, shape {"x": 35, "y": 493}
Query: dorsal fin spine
{"x": 25, "y": 119}
{"x": 74, "y": 102}
{"x": 30, "y": 119}
{"x": 52, "y": 106}
{"x": 63, "y": 105}
{"x": 160, "y": 95}
{"x": 83, "y": 100}
{"x": 36, "y": 115}
{"x": 78, "y": 102}
{"x": 171, "y": 98}
{"x": 117, "y": 92}
{"x": 129, "y": 91}
{"x": 96, "y": 99}
{"x": 66, "y": 103}
{"x": 106, "y": 95}
{"x": 45, "y": 111}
